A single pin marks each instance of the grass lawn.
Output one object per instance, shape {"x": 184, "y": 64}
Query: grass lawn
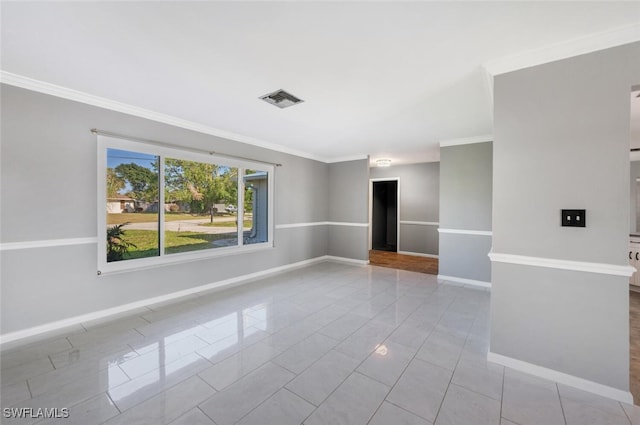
{"x": 146, "y": 242}
{"x": 153, "y": 217}
{"x": 231, "y": 223}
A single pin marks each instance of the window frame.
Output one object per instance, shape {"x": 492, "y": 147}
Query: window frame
{"x": 107, "y": 142}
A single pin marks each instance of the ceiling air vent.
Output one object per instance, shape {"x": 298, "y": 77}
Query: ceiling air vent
{"x": 281, "y": 99}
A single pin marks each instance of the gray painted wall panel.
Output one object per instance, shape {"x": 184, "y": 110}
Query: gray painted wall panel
{"x": 349, "y": 242}
{"x": 466, "y": 194}
{"x": 348, "y": 191}
{"x": 419, "y": 238}
{"x": 466, "y": 186}
{"x": 542, "y": 316}
{"x": 562, "y": 146}
{"x": 48, "y": 189}
{"x": 465, "y": 256}
{"x": 349, "y": 202}
{"x": 565, "y": 147}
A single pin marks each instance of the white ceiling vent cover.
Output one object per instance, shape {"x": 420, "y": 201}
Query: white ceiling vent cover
{"x": 281, "y": 99}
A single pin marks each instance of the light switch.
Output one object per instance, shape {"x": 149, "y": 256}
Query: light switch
{"x": 574, "y": 218}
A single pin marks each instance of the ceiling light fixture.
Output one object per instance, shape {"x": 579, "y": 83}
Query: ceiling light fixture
{"x": 383, "y": 163}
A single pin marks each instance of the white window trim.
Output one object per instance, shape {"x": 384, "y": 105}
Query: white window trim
{"x": 105, "y": 142}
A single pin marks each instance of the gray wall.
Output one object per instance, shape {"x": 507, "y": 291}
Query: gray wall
{"x": 48, "y": 191}
{"x": 348, "y": 203}
{"x": 561, "y": 140}
{"x": 633, "y": 196}
{"x": 419, "y": 201}
{"x": 465, "y": 204}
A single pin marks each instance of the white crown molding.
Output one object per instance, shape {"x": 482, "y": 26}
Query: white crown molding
{"x": 467, "y": 140}
{"x": 101, "y": 102}
{"x": 417, "y": 254}
{"x": 320, "y": 223}
{"x": 344, "y": 223}
{"x": 294, "y": 225}
{"x": 554, "y": 263}
{"x": 347, "y": 158}
{"x": 465, "y": 281}
{"x": 420, "y": 223}
{"x": 466, "y": 232}
{"x": 561, "y": 377}
{"x": 566, "y": 49}
{"x": 47, "y": 243}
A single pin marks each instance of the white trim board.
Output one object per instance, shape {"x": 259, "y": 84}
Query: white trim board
{"x": 51, "y": 243}
{"x": 420, "y": 223}
{"x": 554, "y": 263}
{"x": 467, "y": 140}
{"x": 47, "y": 243}
{"x": 345, "y": 260}
{"x": 465, "y": 281}
{"x": 466, "y": 232}
{"x": 566, "y": 49}
{"x": 320, "y": 223}
{"x": 102, "y": 102}
{"x": 418, "y": 254}
{"x": 561, "y": 377}
{"x": 40, "y": 330}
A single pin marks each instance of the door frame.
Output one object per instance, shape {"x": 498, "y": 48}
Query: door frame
{"x": 384, "y": 179}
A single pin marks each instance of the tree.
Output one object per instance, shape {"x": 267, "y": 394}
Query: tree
{"x": 201, "y": 184}
{"x": 114, "y": 183}
{"x": 143, "y": 181}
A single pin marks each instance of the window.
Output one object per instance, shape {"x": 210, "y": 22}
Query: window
{"x": 158, "y": 204}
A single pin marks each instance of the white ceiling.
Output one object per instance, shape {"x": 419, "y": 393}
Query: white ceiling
{"x": 388, "y": 79}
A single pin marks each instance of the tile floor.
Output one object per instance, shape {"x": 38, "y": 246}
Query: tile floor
{"x": 329, "y": 344}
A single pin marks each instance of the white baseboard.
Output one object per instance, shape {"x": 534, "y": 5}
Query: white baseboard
{"x": 417, "y": 254}
{"x": 465, "y": 281}
{"x": 40, "y": 330}
{"x": 346, "y": 260}
{"x": 562, "y": 378}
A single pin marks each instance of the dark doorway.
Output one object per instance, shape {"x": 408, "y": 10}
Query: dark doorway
{"x": 384, "y": 231}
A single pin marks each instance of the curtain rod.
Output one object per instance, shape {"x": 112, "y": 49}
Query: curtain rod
{"x": 173, "y": 145}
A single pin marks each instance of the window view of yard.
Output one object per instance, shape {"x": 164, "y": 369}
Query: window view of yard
{"x": 200, "y": 206}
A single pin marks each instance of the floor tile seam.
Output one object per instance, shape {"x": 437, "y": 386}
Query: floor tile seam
{"x": 263, "y": 401}
{"x": 623, "y": 414}
{"x": 406, "y": 410}
{"x": 203, "y": 412}
{"x": 113, "y": 403}
{"x": 399, "y": 407}
{"x": 564, "y": 418}
{"x": 626, "y": 414}
{"x": 402, "y": 373}
{"x": 457, "y": 384}
{"x": 247, "y": 372}
{"x": 164, "y": 390}
{"x": 452, "y": 374}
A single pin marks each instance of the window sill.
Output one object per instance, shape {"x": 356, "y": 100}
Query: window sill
{"x": 181, "y": 258}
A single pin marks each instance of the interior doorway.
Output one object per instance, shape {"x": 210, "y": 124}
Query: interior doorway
{"x": 384, "y": 215}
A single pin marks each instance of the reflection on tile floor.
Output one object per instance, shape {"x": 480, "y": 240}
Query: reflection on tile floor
{"x": 328, "y": 344}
